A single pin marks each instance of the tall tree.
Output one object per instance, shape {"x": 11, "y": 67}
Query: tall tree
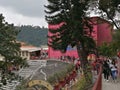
{"x": 9, "y": 48}
{"x": 74, "y": 28}
{"x": 107, "y": 9}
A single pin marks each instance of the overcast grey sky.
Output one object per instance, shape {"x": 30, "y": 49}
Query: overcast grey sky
{"x": 27, "y": 12}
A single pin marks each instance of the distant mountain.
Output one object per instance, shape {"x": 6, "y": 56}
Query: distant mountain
{"x": 34, "y": 35}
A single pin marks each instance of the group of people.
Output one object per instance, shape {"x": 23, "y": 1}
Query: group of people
{"x": 110, "y": 69}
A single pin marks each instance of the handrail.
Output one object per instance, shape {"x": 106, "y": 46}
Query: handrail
{"x": 98, "y": 82}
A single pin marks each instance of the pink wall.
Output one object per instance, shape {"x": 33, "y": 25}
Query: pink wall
{"x": 95, "y": 31}
{"x": 57, "y": 54}
{"x": 102, "y": 33}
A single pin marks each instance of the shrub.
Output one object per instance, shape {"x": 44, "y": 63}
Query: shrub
{"x": 80, "y": 85}
{"x": 60, "y": 75}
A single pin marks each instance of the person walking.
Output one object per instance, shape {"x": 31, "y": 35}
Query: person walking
{"x": 114, "y": 72}
{"x": 106, "y": 70}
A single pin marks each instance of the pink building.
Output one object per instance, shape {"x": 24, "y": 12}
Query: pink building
{"x": 102, "y": 33}
{"x": 102, "y": 30}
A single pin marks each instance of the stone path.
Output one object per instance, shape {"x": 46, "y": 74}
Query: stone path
{"x": 34, "y": 66}
{"x": 110, "y": 85}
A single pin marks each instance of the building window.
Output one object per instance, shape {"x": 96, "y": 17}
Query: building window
{"x": 23, "y": 53}
{"x": 26, "y": 53}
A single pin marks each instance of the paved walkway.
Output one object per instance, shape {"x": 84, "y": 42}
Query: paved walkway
{"x": 111, "y": 85}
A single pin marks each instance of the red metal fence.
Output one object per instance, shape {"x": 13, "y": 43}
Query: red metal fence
{"x": 98, "y": 82}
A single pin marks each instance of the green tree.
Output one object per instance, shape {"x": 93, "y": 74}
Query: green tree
{"x": 107, "y": 9}
{"x": 116, "y": 41}
{"x": 105, "y": 49}
{"x": 110, "y": 8}
{"x": 111, "y": 48}
{"x": 9, "y": 48}
{"x": 75, "y": 30}
{"x": 116, "y": 36}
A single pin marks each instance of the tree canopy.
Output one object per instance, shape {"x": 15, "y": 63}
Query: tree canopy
{"x": 33, "y": 35}
{"x": 107, "y": 9}
{"x": 75, "y": 28}
{"x": 9, "y": 47}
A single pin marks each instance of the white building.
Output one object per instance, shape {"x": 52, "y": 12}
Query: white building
{"x": 29, "y": 52}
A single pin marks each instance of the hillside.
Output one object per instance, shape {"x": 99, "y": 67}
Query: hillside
{"x": 34, "y": 35}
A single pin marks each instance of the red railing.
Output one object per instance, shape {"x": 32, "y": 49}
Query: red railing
{"x": 98, "y": 82}
{"x": 66, "y": 81}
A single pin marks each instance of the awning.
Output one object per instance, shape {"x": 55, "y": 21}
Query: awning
{"x": 33, "y": 50}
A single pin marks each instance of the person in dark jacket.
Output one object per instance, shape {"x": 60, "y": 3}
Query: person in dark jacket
{"x": 106, "y": 70}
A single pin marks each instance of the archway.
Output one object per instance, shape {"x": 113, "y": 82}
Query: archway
{"x": 40, "y": 82}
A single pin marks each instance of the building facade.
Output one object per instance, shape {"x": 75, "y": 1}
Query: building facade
{"x": 102, "y": 32}
{"x": 29, "y": 52}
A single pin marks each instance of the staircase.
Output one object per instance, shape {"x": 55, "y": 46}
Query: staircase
{"x": 34, "y": 66}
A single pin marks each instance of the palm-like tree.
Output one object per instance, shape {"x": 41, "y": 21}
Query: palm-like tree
{"x": 75, "y": 28}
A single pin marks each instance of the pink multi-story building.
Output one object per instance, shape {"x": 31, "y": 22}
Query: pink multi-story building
{"x": 102, "y": 32}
